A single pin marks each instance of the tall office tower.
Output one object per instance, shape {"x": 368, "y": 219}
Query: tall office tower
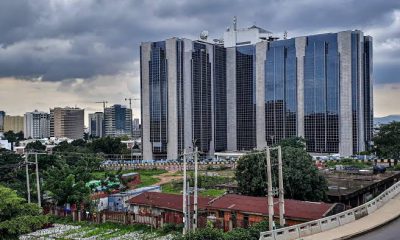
{"x": 67, "y": 122}
{"x": 96, "y": 124}
{"x": 184, "y": 98}
{"x": 36, "y": 125}
{"x": 13, "y": 123}
{"x": 2, "y": 115}
{"x": 135, "y": 124}
{"x": 368, "y": 93}
{"x": 251, "y": 90}
{"x": 117, "y": 121}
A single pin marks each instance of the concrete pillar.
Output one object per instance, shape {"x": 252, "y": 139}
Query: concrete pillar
{"x": 345, "y": 122}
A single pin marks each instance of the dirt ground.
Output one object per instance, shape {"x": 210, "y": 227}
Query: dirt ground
{"x": 167, "y": 177}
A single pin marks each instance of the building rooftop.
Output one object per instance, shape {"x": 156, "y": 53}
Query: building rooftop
{"x": 259, "y": 205}
{"x": 166, "y": 200}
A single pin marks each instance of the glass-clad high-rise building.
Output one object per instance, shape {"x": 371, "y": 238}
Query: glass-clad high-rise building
{"x": 251, "y": 90}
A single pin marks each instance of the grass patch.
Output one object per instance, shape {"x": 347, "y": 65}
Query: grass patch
{"x": 173, "y": 187}
{"x": 349, "y": 162}
{"x": 212, "y": 192}
{"x": 147, "y": 176}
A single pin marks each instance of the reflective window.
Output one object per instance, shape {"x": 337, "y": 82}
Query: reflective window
{"x": 245, "y": 97}
{"x": 280, "y": 91}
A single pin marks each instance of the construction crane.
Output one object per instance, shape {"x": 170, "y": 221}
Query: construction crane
{"x": 130, "y": 107}
{"x": 130, "y": 101}
{"x": 104, "y": 104}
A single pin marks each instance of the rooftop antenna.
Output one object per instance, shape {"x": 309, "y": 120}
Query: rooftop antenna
{"x": 234, "y": 23}
{"x": 285, "y": 35}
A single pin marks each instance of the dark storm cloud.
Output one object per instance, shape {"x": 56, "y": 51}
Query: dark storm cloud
{"x": 59, "y": 40}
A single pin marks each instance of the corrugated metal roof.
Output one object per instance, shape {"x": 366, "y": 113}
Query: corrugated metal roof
{"x": 259, "y": 205}
{"x": 165, "y": 200}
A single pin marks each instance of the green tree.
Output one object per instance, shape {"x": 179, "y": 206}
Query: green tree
{"x": 301, "y": 178}
{"x": 16, "y": 216}
{"x": 387, "y": 141}
{"x": 108, "y": 145}
{"x": 35, "y": 146}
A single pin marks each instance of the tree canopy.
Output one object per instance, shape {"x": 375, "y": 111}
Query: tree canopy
{"x": 35, "y": 146}
{"x": 300, "y": 176}
{"x": 16, "y": 216}
{"x": 387, "y": 141}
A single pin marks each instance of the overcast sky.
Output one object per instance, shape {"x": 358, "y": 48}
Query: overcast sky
{"x": 77, "y": 52}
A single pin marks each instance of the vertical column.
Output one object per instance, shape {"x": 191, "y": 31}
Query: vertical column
{"x": 210, "y": 51}
{"x": 231, "y": 98}
{"x": 361, "y": 122}
{"x": 300, "y": 53}
{"x": 147, "y": 152}
{"x": 345, "y": 127}
{"x": 172, "y": 114}
{"x": 261, "y": 55}
{"x": 187, "y": 91}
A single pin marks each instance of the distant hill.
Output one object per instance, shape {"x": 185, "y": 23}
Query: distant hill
{"x": 387, "y": 119}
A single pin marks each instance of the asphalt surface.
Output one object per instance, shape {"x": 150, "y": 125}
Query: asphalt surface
{"x": 391, "y": 231}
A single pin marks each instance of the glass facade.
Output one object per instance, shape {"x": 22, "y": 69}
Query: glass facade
{"x": 201, "y": 97}
{"x": 210, "y": 74}
{"x": 158, "y": 97}
{"x": 280, "y": 91}
{"x": 368, "y": 94}
{"x": 245, "y": 97}
{"x": 321, "y": 94}
{"x": 220, "y": 119}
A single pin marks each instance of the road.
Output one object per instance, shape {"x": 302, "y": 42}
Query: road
{"x": 390, "y": 231}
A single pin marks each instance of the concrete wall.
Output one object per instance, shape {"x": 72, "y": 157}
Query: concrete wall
{"x": 187, "y": 82}
{"x": 231, "y": 98}
{"x": 147, "y": 152}
{"x": 261, "y": 50}
{"x": 345, "y": 122}
{"x": 172, "y": 126}
{"x": 300, "y": 52}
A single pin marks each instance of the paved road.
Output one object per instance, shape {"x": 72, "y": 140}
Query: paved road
{"x": 387, "y": 232}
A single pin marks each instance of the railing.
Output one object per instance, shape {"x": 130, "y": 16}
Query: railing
{"x": 164, "y": 164}
{"x": 327, "y": 223}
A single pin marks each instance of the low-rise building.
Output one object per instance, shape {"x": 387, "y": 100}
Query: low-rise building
{"x": 227, "y": 212}
{"x": 118, "y": 202}
{"x": 233, "y": 210}
{"x": 160, "y": 208}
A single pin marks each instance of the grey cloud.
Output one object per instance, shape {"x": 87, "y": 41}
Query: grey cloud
{"x": 61, "y": 40}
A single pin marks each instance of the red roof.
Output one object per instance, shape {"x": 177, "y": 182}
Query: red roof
{"x": 165, "y": 200}
{"x": 259, "y": 205}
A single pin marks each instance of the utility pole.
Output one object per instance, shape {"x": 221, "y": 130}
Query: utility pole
{"x": 195, "y": 200}
{"x": 37, "y": 181}
{"x": 37, "y": 176}
{"x": 270, "y": 192}
{"x": 27, "y": 178}
{"x": 185, "y": 220}
{"x": 281, "y": 189}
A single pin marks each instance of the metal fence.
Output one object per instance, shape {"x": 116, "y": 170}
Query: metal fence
{"x": 327, "y": 223}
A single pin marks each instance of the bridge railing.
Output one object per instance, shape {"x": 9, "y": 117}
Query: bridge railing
{"x": 327, "y": 223}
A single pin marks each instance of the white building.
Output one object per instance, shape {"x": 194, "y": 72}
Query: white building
{"x": 36, "y": 125}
